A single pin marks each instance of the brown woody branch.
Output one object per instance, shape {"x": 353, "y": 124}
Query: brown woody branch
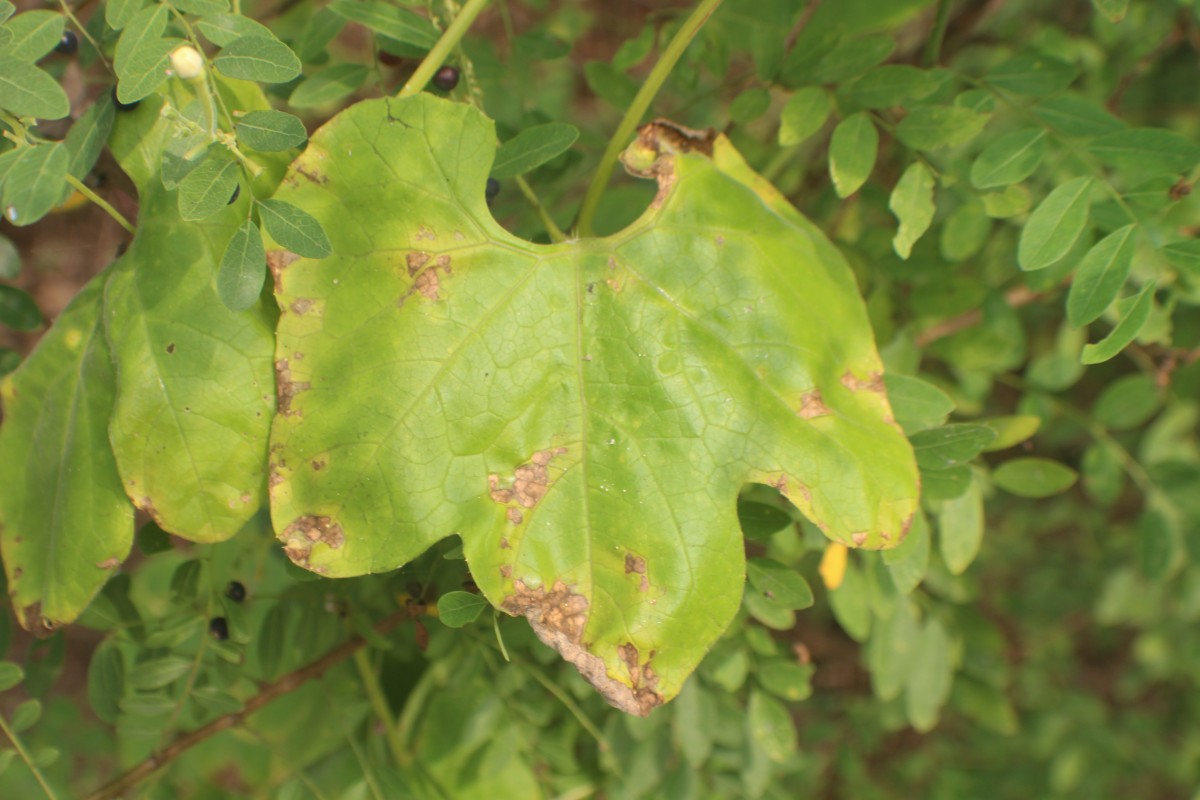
{"x": 1020, "y": 296}
{"x": 272, "y": 691}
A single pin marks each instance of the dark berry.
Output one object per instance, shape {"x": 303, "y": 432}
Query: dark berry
{"x": 492, "y": 189}
{"x": 390, "y": 59}
{"x": 218, "y": 628}
{"x": 123, "y": 106}
{"x": 235, "y": 591}
{"x": 446, "y": 78}
{"x": 237, "y": 190}
{"x": 68, "y": 44}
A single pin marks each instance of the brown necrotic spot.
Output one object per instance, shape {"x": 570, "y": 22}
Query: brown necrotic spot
{"x": 425, "y": 232}
{"x": 558, "y": 617}
{"x": 530, "y": 483}
{"x": 415, "y": 261}
{"x": 170, "y": 348}
{"x": 506, "y": 571}
{"x": 33, "y": 621}
{"x": 426, "y": 284}
{"x": 859, "y": 538}
{"x": 504, "y": 545}
{"x": 318, "y": 464}
{"x": 109, "y": 563}
{"x": 304, "y": 533}
{"x": 812, "y": 406}
{"x": 515, "y": 516}
{"x": 872, "y": 383}
{"x": 278, "y": 261}
{"x": 286, "y": 389}
{"x": 302, "y": 305}
{"x": 636, "y": 565}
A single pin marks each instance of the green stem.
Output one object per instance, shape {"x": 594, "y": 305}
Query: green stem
{"x": 24, "y": 754}
{"x": 83, "y": 189}
{"x": 933, "y": 48}
{"x": 556, "y": 234}
{"x": 570, "y": 705}
{"x": 379, "y": 705}
{"x": 433, "y": 60}
{"x": 637, "y": 109}
{"x": 435, "y": 674}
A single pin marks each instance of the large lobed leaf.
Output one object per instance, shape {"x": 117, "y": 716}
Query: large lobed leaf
{"x": 583, "y": 415}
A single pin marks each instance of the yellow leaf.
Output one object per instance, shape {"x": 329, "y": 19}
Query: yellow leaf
{"x": 833, "y": 565}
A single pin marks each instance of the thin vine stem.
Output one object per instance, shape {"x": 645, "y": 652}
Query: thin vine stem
{"x": 380, "y": 707}
{"x": 555, "y": 232}
{"x": 933, "y": 48}
{"x": 637, "y": 109}
{"x": 86, "y": 191}
{"x": 19, "y": 746}
{"x": 450, "y": 39}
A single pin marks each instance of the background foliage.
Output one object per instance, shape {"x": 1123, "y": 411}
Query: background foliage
{"x": 1011, "y": 182}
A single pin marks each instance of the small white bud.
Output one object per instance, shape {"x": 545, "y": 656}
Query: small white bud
{"x": 187, "y": 62}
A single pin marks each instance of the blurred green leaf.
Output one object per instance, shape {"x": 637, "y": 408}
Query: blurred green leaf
{"x": 1114, "y": 10}
{"x": 158, "y": 672}
{"x": 1147, "y": 150}
{"x": 456, "y": 609}
{"x": 1135, "y": 311}
{"x": 770, "y": 726}
{"x": 329, "y": 86}
{"x": 1127, "y": 402}
{"x": 965, "y": 232}
{"x": 531, "y": 148}
{"x": 950, "y": 445}
{"x": 1011, "y": 430}
{"x": 1009, "y": 159}
{"x": 25, "y": 716}
{"x": 1035, "y": 74}
{"x": 28, "y": 91}
{"x": 930, "y": 677}
{"x": 852, "y": 152}
{"x": 271, "y": 131}
{"x": 10, "y": 675}
{"x": 779, "y": 583}
{"x": 850, "y": 605}
{"x": 1034, "y": 477}
{"x": 960, "y": 529}
{"x": 889, "y": 85}
{"x": 912, "y": 203}
{"x": 937, "y": 127}
{"x": 1076, "y": 116}
{"x": 223, "y": 29}
{"x": 1055, "y": 225}
{"x": 10, "y": 259}
{"x": 1101, "y": 276}
{"x": 916, "y": 404}
{"x": 18, "y": 310}
{"x": 294, "y": 228}
{"x": 803, "y": 115}
{"x": 394, "y": 23}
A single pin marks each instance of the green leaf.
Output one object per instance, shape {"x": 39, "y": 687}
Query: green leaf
{"x": 944, "y": 484}
{"x": 202, "y": 8}
{"x": 295, "y": 229}
{"x": 394, "y": 23}
{"x": 10, "y": 675}
{"x": 1029, "y": 73}
{"x": 1055, "y": 225}
{"x": 889, "y": 85}
{"x": 54, "y": 449}
{"x": 960, "y": 529}
{"x": 693, "y": 723}
{"x": 912, "y": 203}
{"x": 803, "y": 115}
{"x": 614, "y": 87}
{"x": 1185, "y": 255}
{"x": 194, "y": 459}
{"x": 223, "y": 29}
{"x": 1010, "y": 159}
{"x": 7, "y": 9}
{"x": 119, "y": 13}
{"x": 779, "y": 583}
{"x": 35, "y": 183}
{"x": 10, "y": 259}
{"x": 1114, "y": 10}
{"x": 146, "y": 69}
{"x": 88, "y": 136}
{"x": 1144, "y": 151}
{"x": 510, "y": 440}
{"x": 965, "y": 232}
{"x": 937, "y": 127}
{"x": 18, "y": 310}
{"x": 917, "y": 405}
{"x": 243, "y": 268}
{"x": 272, "y": 638}
{"x": 909, "y": 562}
{"x": 1100, "y": 276}
{"x": 456, "y": 609}
{"x": 848, "y": 59}
{"x": 930, "y": 677}
{"x": 761, "y": 521}
{"x": 25, "y": 716}
{"x": 1134, "y": 314}
{"x": 146, "y": 27}
{"x": 890, "y": 651}
{"x": 1076, "y": 117}
{"x": 158, "y": 672}
{"x": 1127, "y": 403}
{"x": 1034, "y": 477}
{"x": 1158, "y": 543}
{"x": 749, "y": 105}
{"x": 850, "y": 605}
{"x": 770, "y": 726}
{"x": 1011, "y": 430}
{"x": 533, "y": 147}
{"x": 852, "y": 152}
{"x": 256, "y": 58}
{"x": 207, "y": 188}
{"x": 951, "y": 445}
{"x": 27, "y": 91}
{"x": 34, "y": 34}
{"x": 271, "y": 131}
{"x": 786, "y": 680}
{"x": 329, "y": 86}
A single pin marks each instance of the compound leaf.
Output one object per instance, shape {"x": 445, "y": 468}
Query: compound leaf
{"x": 583, "y": 415}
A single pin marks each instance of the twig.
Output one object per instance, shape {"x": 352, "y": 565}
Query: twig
{"x": 288, "y": 683}
{"x": 801, "y": 24}
{"x": 1020, "y": 296}
{"x": 19, "y": 746}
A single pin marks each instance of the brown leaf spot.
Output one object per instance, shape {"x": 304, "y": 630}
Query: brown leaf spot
{"x": 278, "y": 261}
{"x": 530, "y": 481}
{"x": 304, "y": 533}
{"x": 170, "y": 348}
{"x": 286, "y": 389}
{"x": 812, "y": 406}
{"x": 302, "y": 305}
{"x": 425, "y": 232}
{"x": 873, "y": 382}
{"x": 312, "y": 174}
{"x": 498, "y": 494}
{"x": 506, "y": 571}
{"x": 17, "y": 573}
{"x": 427, "y": 284}
{"x": 415, "y": 261}
{"x": 558, "y": 618}
{"x": 515, "y": 516}
{"x": 636, "y": 565}
{"x": 109, "y": 563}
{"x": 859, "y": 538}
{"x": 318, "y": 464}
{"x": 504, "y": 545}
